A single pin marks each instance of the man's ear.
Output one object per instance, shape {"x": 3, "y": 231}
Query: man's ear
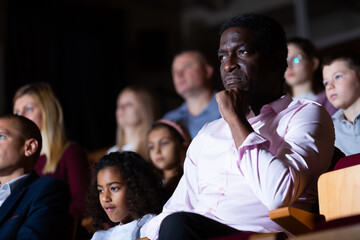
{"x": 278, "y": 61}
{"x": 209, "y": 71}
{"x": 31, "y": 145}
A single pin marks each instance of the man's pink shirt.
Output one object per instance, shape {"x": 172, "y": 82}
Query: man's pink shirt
{"x": 277, "y": 165}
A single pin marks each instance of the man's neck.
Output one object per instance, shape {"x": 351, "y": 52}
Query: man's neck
{"x": 196, "y": 103}
{"x": 7, "y": 177}
{"x": 352, "y": 111}
{"x": 257, "y": 105}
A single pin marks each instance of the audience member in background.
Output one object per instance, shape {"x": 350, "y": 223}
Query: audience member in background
{"x": 341, "y": 77}
{"x": 267, "y": 151}
{"x": 192, "y": 74}
{"x": 303, "y": 75}
{"x": 30, "y": 207}
{"x": 125, "y": 192}
{"x": 167, "y": 143}
{"x": 135, "y": 112}
{"x": 59, "y": 157}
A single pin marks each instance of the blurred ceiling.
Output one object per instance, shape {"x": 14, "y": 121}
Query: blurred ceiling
{"x": 325, "y": 22}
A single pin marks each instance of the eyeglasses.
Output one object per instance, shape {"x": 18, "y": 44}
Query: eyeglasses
{"x": 295, "y": 60}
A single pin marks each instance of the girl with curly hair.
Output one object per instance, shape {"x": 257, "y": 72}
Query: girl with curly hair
{"x": 125, "y": 193}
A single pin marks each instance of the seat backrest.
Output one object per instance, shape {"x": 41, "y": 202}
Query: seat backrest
{"x": 339, "y": 193}
{"x": 348, "y": 161}
{"x": 337, "y": 155}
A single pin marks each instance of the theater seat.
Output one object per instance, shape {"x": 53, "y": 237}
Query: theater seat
{"x": 347, "y": 161}
{"x": 339, "y": 194}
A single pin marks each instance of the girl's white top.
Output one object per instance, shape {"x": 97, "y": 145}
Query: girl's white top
{"x": 130, "y": 231}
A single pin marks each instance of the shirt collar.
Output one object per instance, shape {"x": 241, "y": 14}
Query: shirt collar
{"x": 7, "y": 188}
{"x": 339, "y": 116}
{"x": 15, "y": 182}
{"x": 278, "y": 105}
{"x": 273, "y": 108}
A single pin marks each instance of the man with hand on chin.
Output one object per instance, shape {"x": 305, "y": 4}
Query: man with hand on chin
{"x": 267, "y": 151}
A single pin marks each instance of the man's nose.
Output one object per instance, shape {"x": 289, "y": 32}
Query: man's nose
{"x": 178, "y": 74}
{"x": 231, "y": 64}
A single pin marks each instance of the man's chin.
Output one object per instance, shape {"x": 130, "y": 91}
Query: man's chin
{"x": 236, "y": 86}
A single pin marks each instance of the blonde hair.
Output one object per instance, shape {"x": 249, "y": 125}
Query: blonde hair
{"x": 148, "y": 111}
{"x": 52, "y": 129}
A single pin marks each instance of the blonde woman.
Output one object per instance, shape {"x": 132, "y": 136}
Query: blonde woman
{"x": 59, "y": 158}
{"x": 135, "y": 112}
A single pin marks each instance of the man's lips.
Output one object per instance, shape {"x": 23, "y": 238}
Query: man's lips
{"x": 234, "y": 80}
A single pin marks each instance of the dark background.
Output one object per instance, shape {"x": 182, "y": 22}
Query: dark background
{"x": 89, "y": 50}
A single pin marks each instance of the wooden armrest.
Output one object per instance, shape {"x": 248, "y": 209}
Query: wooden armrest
{"x": 351, "y": 232}
{"x": 268, "y": 236}
{"x": 145, "y": 238}
{"x": 294, "y": 220}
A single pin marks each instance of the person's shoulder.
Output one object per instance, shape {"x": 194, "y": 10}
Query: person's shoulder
{"x": 102, "y": 234}
{"x": 49, "y": 190}
{"x": 146, "y": 218}
{"x": 74, "y": 147}
{"x": 304, "y": 111}
{"x": 305, "y": 103}
{"x": 338, "y": 115}
{"x": 74, "y": 151}
{"x": 48, "y": 182}
{"x": 214, "y": 127}
{"x": 176, "y": 113}
{"x": 114, "y": 148}
{"x": 287, "y": 108}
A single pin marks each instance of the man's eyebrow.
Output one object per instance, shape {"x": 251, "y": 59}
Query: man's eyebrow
{"x": 4, "y": 132}
{"x": 235, "y": 47}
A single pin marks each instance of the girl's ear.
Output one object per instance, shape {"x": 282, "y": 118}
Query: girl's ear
{"x": 183, "y": 148}
{"x": 185, "y": 144}
{"x": 315, "y": 62}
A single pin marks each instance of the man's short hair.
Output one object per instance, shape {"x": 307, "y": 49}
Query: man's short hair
{"x": 200, "y": 55}
{"x": 351, "y": 57}
{"x": 269, "y": 33}
{"x": 28, "y": 129}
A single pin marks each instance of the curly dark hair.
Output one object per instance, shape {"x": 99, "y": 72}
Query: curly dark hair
{"x": 144, "y": 188}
